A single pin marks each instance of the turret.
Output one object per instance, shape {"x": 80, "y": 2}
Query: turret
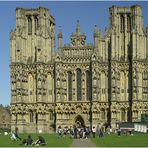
{"x": 78, "y": 28}
{"x": 96, "y": 37}
{"x": 60, "y": 37}
{"x": 137, "y": 18}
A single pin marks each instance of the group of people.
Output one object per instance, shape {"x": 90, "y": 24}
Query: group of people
{"x": 28, "y": 141}
{"x": 80, "y": 132}
{"x": 14, "y": 135}
{"x": 125, "y": 132}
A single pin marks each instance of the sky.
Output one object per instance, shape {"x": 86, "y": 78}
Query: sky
{"x": 66, "y": 14}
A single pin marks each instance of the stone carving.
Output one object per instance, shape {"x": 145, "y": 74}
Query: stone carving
{"x": 109, "y": 77}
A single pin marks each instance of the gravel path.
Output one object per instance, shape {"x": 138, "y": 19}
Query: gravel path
{"x": 82, "y": 143}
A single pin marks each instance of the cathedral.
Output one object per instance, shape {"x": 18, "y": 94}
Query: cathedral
{"x": 103, "y": 83}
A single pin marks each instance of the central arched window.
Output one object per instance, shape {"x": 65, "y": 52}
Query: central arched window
{"x": 88, "y": 85}
{"x": 70, "y": 86}
{"x": 79, "y": 85}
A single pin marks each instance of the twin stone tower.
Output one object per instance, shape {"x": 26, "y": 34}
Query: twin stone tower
{"x": 82, "y": 84}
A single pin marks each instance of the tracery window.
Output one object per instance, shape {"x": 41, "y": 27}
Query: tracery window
{"x": 79, "y": 85}
{"x": 29, "y": 25}
{"x": 70, "y": 86}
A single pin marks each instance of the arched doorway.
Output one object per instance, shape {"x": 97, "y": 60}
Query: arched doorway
{"x": 79, "y": 121}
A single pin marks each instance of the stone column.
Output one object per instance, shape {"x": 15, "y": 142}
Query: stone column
{"x": 106, "y": 86}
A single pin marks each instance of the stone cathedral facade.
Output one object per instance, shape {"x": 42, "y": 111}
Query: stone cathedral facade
{"x": 105, "y": 82}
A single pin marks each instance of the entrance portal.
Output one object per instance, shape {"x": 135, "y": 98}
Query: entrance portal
{"x": 79, "y": 121}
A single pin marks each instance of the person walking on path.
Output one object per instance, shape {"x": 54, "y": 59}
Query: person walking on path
{"x": 119, "y": 131}
{"x": 94, "y": 131}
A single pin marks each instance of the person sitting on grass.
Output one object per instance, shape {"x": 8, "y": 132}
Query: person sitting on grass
{"x": 13, "y": 137}
{"x": 16, "y": 133}
{"x": 59, "y": 131}
{"x": 29, "y": 141}
{"x": 40, "y": 141}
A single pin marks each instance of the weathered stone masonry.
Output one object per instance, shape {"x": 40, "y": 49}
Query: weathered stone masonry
{"x": 99, "y": 83}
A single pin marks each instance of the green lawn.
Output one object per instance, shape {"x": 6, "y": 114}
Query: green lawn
{"x": 51, "y": 139}
{"x": 137, "y": 140}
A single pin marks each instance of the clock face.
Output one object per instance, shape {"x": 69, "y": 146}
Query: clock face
{"x": 78, "y": 41}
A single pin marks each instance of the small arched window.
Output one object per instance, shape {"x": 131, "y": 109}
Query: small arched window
{"x": 128, "y": 23}
{"x": 36, "y": 23}
{"x": 29, "y": 25}
{"x": 31, "y": 116}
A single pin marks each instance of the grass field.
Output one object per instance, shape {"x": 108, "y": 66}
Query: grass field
{"x": 137, "y": 140}
{"x": 51, "y": 139}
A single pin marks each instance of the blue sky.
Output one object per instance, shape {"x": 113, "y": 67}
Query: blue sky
{"x": 66, "y": 15}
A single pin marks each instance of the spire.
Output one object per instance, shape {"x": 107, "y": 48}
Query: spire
{"x": 96, "y": 32}
{"x": 78, "y": 27}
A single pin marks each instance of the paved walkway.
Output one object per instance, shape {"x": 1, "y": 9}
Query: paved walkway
{"x": 82, "y": 143}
